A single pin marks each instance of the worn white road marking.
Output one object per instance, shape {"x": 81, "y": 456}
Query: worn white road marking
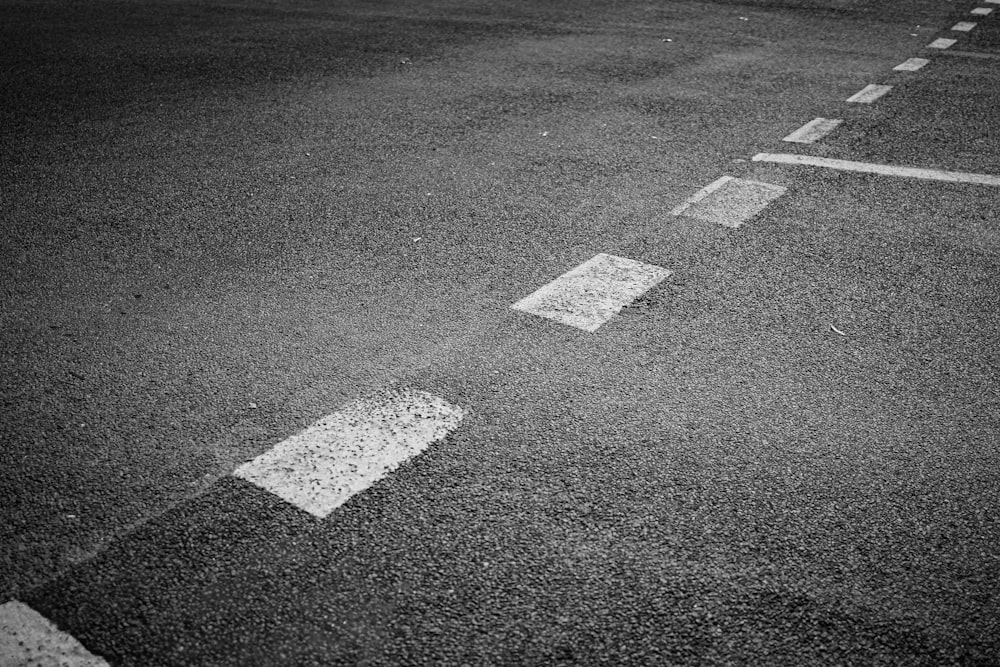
{"x": 729, "y": 201}
{"x": 591, "y": 294}
{"x": 963, "y": 26}
{"x": 869, "y": 94}
{"x": 911, "y": 65}
{"x": 701, "y": 194}
{"x": 814, "y": 130}
{"x": 344, "y": 453}
{"x": 971, "y": 54}
{"x": 941, "y": 43}
{"x": 982, "y": 11}
{"x": 884, "y": 169}
{"x": 28, "y": 638}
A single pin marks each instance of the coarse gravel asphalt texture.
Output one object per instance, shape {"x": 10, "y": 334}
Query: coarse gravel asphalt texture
{"x": 225, "y": 220}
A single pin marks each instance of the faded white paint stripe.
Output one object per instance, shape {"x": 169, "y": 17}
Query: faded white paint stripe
{"x": 813, "y": 130}
{"x": 729, "y": 201}
{"x": 701, "y": 194}
{"x": 972, "y": 54}
{"x": 28, "y": 638}
{"x": 869, "y": 94}
{"x": 343, "y": 454}
{"x": 884, "y": 169}
{"x": 911, "y": 65}
{"x": 941, "y": 43}
{"x": 982, "y": 11}
{"x": 591, "y": 294}
{"x": 963, "y": 26}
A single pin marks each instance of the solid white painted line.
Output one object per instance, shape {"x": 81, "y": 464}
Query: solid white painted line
{"x": 963, "y": 26}
{"x": 28, "y": 638}
{"x": 982, "y": 11}
{"x": 729, "y": 201}
{"x": 884, "y": 169}
{"x": 869, "y": 94}
{"x": 941, "y": 43}
{"x": 344, "y": 453}
{"x": 972, "y": 54}
{"x": 591, "y": 294}
{"x": 813, "y": 130}
{"x": 911, "y": 65}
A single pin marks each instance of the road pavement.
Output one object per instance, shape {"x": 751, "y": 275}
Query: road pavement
{"x": 225, "y": 221}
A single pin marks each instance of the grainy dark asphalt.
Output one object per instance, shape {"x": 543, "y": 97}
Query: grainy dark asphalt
{"x": 224, "y": 220}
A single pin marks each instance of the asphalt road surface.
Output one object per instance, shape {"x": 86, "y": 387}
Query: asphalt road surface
{"x": 223, "y": 221}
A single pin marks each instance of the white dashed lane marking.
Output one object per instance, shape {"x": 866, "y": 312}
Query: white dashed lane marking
{"x": 869, "y": 94}
{"x": 883, "y": 169}
{"x": 28, "y": 638}
{"x": 729, "y": 201}
{"x": 814, "y": 130}
{"x": 941, "y": 43}
{"x": 963, "y": 26}
{"x": 911, "y": 65}
{"x": 591, "y": 294}
{"x": 343, "y": 454}
{"x": 982, "y": 11}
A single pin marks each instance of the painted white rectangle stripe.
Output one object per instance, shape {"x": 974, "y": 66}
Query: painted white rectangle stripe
{"x": 963, "y": 26}
{"x": 701, "y": 194}
{"x": 814, "y": 130}
{"x": 729, "y": 201}
{"x": 869, "y": 94}
{"x": 28, "y": 638}
{"x": 982, "y": 11}
{"x": 911, "y": 65}
{"x": 344, "y": 453}
{"x": 883, "y": 169}
{"x": 941, "y": 43}
{"x": 591, "y": 294}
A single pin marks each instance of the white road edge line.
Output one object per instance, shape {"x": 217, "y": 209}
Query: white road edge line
{"x": 592, "y": 293}
{"x": 814, "y": 130}
{"x": 963, "y": 26}
{"x": 28, "y": 638}
{"x": 869, "y": 93}
{"x": 883, "y": 169}
{"x": 346, "y": 452}
{"x": 971, "y": 54}
{"x": 911, "y": 65}
{"x": 941, "y": 43}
